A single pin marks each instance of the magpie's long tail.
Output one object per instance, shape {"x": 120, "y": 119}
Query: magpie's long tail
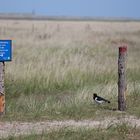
{"x": 107, "y": 101}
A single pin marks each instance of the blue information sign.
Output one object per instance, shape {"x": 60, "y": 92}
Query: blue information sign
{"x": 5, "y": 50}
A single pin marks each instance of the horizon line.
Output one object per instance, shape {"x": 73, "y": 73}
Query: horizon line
{"x": 34, "y": 16}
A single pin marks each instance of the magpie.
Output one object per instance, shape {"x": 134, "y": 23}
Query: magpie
{"x": 99, "y": 99}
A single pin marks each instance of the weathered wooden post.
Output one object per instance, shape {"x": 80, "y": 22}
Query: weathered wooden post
{"x": 2, "y": 89}
{"x": 5, "y": 55}
{"x": 122, "y": 78}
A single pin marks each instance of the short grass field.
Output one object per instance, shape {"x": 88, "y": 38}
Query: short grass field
{"x": 119, "y": 132}
{"x": 57, "y": 66}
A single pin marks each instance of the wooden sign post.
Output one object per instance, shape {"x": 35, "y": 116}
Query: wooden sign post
{"x": 122, "y": 78}
{"x": 2, "y": 89}
{"x": 5, "y": 55}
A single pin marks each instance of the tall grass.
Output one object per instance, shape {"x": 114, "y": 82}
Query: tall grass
{"x": 66, "y": 60}
{"x": 60, "y": 68}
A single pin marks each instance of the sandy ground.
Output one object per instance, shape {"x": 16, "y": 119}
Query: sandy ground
{"x": 26, "y": 128}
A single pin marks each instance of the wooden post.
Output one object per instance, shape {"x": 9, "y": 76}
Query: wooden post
{"x": 2, "y": 89}
{"x": 122, "y": 78}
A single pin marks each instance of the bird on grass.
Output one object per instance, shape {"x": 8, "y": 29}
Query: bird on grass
{"x": 99, "y": 99}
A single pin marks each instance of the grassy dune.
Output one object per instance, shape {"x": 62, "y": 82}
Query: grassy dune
{"x": 57, "y": 66}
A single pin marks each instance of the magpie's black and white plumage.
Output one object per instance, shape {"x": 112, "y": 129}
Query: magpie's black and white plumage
{"x": 99, "y": 99}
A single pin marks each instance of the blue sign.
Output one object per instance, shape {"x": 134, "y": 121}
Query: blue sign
{"x": 5, "y": 50}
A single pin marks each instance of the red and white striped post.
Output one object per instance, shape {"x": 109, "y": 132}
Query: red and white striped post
{"x": 2, "y": 89}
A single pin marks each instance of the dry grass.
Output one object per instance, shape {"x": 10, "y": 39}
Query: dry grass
{"x": 119, "y": 132}
{"x": 63, "y": 63}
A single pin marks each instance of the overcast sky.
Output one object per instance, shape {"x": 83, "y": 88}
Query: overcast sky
{"x": 95, "y": 8}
